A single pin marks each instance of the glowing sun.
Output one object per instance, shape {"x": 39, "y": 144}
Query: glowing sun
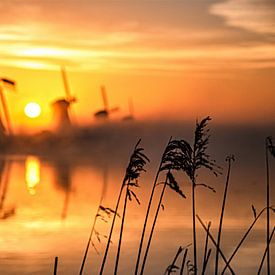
{"x": 32, "y": 110}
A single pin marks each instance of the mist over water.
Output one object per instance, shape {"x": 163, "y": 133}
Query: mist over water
{"x": 50, "y": 213}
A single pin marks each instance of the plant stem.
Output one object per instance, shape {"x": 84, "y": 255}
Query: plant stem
{"x": 153, "y": 227}
{"x": 94, "y": 223}
{"x": 221, "y": 217}
{"x": 204, "y": 264}
{"x": 243, "y": 239}
{"x": 88, "y": 244}
{"x": 214, "y": 242}
{"x": 183, "y": 261}
{"x": 206, "y": 261}
{"x": 174, "y": 260}
{"x": 55, "y": 265}
{"x": 194, "y": 224}
{"x": 111, "y": 232}
{"x": 262, "y": 261}
{"x": 148, "y": 211}
{"x": 267, "y": 213}
{"x": 121, "y": 229}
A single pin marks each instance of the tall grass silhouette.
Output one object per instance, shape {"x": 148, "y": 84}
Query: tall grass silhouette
{"x": 181, "y": 156}
{"x": 135, "y": 167}
{"x": 229, "y": 160}
{"x": 207, "y": 251}
{"x": 171, "y": 160}
{"x": 192, "y": 158}
{"x": 149, "y": 208}
{"x": 196, "y": 158}
{"x": 247, "y": 232}
{"x": 173, "y": 267}
{"x": 100, "y": 212}
{"x": 270, "y": 148}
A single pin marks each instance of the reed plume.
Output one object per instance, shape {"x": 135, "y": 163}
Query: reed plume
{"x": 194, "y": 158}
{"x": 149, "y": 208}
{"x": 171, "y": 160}
{"x": 136, "y": 165}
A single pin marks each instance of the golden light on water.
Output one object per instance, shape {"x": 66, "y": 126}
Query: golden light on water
{"x": 32, "y": 110}
{"x": 32, "y": 176}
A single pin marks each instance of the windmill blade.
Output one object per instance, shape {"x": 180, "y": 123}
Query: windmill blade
{"x": 104, "y": 98}
{"x": 65, "y": 82}
{"x": 5, "y": 110}
{"x": 8, "y": 81}
{"x": 114, "y": 109}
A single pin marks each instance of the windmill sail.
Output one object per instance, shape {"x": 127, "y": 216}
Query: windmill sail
{"x": 4, "y": 82}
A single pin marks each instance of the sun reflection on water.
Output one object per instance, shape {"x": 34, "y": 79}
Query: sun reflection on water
{"x": 32, "y": 174}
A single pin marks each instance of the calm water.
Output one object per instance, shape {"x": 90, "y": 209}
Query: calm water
{"x": 48, "y": 205}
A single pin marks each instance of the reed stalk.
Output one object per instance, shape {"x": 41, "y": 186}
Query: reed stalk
{"x": 153, "y": 226}
{"x": 267, "y": 206}
{"x": 148, "y": 210}
{"x": 94, "y": 223}
{"x": 263, "y": 258}
{"x": 121, "y": 229}
{"x": 111, "y": 232}
{"x": 229, "y": 160}
{"x": 183, "y": 261}
{"x": 171, "y": 268}
{"x": 204, "y": 263}
{"x": 55, "y": 266}
{"x": 244, "y": 238}
{"x": 215, "y": 244}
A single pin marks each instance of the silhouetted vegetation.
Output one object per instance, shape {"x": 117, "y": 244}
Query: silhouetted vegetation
{"x": 181, "y": 156}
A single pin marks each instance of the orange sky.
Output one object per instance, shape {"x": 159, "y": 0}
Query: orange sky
{"x": 176, "y": 59}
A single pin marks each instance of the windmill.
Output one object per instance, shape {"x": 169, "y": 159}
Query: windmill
{"x": 105, "y": 113}
{"x": 61, "y": 106}
{"x": 5, "y": 128}
{"x": 130, "y": 116}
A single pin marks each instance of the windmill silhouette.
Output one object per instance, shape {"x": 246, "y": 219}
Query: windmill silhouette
{"x": 5, "y": 126}
{"x": 106, "y": 111}
{"x": 61, "y": 106}
{"x": 130, "y": 116}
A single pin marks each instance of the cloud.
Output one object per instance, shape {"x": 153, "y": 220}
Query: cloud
{"x": 126, "y": 37}
{"x": 251, "y": 15}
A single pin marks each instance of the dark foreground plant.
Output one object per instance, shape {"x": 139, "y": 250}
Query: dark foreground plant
{"x": 183, "y": 261}
{"x": 270, "y": 148}
{"x": 265, "y": 252}
{"x": 55, "y": 265}
{"x": 172, "y": 160}
{"x": 100, "y": 213}
{"x": 229, "y": 160}
{"x": 130, "y": 181}
{"x": 207, "y": 251}
{"x": 190, "y": 160}
{"x": 215, "y": 243}
{"x": 256, "y": 217}
{"x": 173, "y": 267}
{"x": 149, "y": 208}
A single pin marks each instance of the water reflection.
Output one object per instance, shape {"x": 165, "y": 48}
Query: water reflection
{"x": 6, "y": 211}
{"x": 54, "y": 215}
{"x": 32, "y": 175}
{"x": 63, "y": 181}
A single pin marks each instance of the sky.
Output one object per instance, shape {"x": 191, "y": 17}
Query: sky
{"x": 175, "y": 59}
